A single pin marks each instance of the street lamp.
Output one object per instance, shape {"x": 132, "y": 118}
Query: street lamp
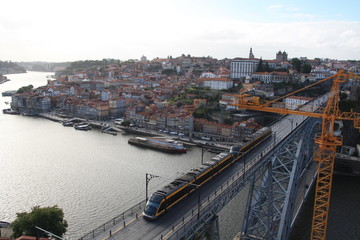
{"x": 274, "y": 138}
{"x": 292, "y": 122}
{"x": 148, "y": 178}
{"x": 203, "y": 150}
{"x": 243, "y": 154}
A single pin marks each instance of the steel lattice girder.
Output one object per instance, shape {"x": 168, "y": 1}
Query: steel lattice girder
{"x": 272, "y": 194}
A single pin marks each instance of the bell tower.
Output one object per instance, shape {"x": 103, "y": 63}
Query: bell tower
{"x": 251, "y": 55}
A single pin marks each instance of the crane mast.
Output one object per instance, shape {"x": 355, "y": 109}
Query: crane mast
{"x": 325, "y": 156}
{"x": 326, "y": 143}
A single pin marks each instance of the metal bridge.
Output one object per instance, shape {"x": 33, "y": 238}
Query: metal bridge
{"x": 279, "y": 172}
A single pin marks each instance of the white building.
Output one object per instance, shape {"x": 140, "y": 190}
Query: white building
{"x": 273, "y": 77}
{"x": 294, "y": 102}
{"x": 228, "y": 99}
{"x": 242, "y": 67}
{"x": 264, "y": 77}
{"x": 216, "y": 83}
{"x": 208, "y": 75}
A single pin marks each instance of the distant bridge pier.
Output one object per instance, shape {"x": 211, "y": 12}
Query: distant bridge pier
{"x": 206, "y": 228}
{"x": 209, "y": 230}
{"x": 214, "y": 229}
{"x": 277, "y": 192}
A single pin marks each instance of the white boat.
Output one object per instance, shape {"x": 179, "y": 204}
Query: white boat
{"x": 83, "y": 126}
{"x": 67, "y": 123}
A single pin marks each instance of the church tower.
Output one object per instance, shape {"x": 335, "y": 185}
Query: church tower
{"x": 281, "y": 56}
{"x": 251, "y": 55}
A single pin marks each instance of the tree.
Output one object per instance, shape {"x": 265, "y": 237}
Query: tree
{"x": 306, "y": 68}
{"x": 267, "y": 67}
{"x": 25, "y": 89}
{"x": 48, "y": 218}
{"x": 228, "y": 121}
{"x": 260, "y": 67}
{"x": 296, "y": 63}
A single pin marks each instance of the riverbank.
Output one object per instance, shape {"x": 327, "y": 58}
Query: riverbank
{"x": 216, "y": 147}
{"x": 4, "y": 80}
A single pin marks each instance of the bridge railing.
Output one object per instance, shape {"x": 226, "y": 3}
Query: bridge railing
{"x": 109, "y": 224}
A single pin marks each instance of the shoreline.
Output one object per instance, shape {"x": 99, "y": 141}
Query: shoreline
{"x": 142, "y": 131}
{"x": 4, "y": 81}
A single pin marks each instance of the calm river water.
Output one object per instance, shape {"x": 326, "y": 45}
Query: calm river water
{"x": 93, "y": 176}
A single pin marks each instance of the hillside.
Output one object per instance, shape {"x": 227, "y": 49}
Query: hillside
{"x": 8, "y": 67}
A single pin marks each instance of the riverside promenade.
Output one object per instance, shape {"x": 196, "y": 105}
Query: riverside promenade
{"x": 215, "y": 146}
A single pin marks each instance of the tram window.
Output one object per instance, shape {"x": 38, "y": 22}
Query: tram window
{"x": 150, "y": 210}
{"x": 156, "y": 198}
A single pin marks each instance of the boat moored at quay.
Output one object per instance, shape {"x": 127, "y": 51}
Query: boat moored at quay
{"x": 83, "y": 126}
{"x": 160, "y": 144}
{"x": 10, "y": 111}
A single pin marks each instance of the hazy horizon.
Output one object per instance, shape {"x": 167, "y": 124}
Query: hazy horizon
{"x": 65, "y": 31}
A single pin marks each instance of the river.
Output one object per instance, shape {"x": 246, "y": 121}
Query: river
{"x": 94, "y": 176}
{"x": 90, "y": 175}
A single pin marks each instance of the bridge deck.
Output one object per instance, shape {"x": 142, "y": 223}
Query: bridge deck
{"x": 135, "y": 227}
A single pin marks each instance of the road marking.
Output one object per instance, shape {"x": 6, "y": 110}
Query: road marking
{"x": 119, "y": 229}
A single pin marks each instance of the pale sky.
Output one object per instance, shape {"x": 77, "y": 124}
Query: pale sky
{"x": 69, "y": 30}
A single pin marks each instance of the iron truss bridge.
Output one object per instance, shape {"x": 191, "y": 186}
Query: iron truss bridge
{"x": 274, "y": 182}
{"x": 276, "y": 174}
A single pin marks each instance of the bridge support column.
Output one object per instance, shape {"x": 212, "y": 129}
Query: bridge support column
{"x": 214, "y": 229}
{"x": 270, "y": 207}
{"x": 209, "y": 230}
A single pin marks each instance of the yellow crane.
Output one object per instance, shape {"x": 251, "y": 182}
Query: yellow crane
{"x": 326, "y": 142}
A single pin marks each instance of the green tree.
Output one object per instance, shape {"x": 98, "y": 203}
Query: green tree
{"x": 25, "y": 89}
{"x": 296, "y": 63}
{"x": 306, "y": 68}
{"x": 48, "y": 218}
{"x": 228, "y": 121}
{"x": 260, "y": 67}
{"x": 267, "y": 67}
{"x": 201, "y": 112}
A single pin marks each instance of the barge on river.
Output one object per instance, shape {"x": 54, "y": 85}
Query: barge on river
{"x": 160, "y": 144}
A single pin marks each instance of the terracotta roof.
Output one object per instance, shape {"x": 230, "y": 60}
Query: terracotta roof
{"x": 30, "y": 238}
{"x": 214, "y": 79}
{"x": 280, "y": 73}
{"x": 261, "y": 73}
{"x": 300, "y": 98}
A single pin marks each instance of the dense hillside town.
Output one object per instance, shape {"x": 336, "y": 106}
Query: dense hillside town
{"x": 182, "y": 94}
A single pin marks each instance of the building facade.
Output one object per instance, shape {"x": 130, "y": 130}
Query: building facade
{"x": 242, "y": 67}
{"x": 217, "y": 83}
{"x": 294, "y": 102}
